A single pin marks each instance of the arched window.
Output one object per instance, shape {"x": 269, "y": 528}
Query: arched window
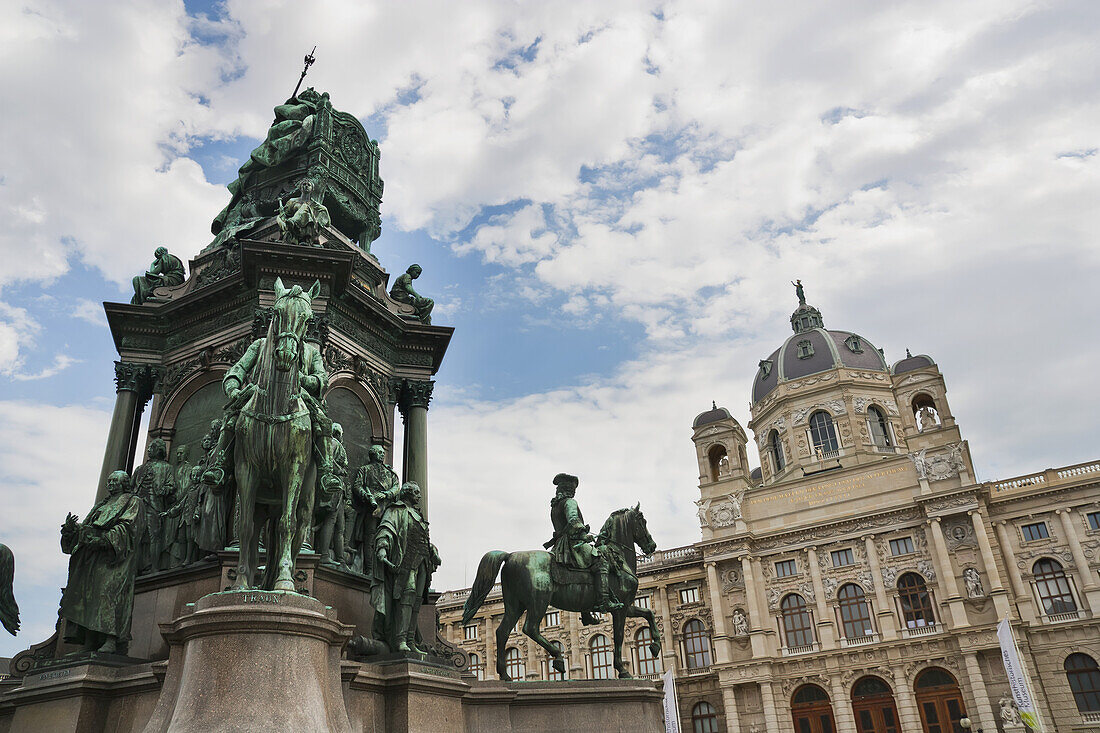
{"x": 647, "y": 663}
{"x": 776, "y": 448}
{"x": 855, "y": 613}
{"x": 704, "y": 718}
{"x": 811, "y": 710}
{"x": 915, "y": 601}
{"x": 797, "y": 624}
{"x": 719, "y": 462}
{"x": 602, "y": 667}
{"x": 934, "y": 677}
{"x": 1053, "y": 587}
{"x": 880, "y": 431}
{"x": 823, "y": 435}
{"x": 551, "y": 673}
{"x": 513, "y": 663}
{"x": 477, "y": 666}
{"x": 939, "y": 700}
{"x": 696, "y": 645}
{"x": 809, "y": 695}
{"x": 1084, "y": 680}
{"x": 873, "y": 705}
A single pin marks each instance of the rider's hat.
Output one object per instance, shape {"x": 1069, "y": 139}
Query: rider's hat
{"x": 565, "y": 479}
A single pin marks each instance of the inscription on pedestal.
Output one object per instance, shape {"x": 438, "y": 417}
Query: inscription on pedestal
{"x": 260, "y": 598}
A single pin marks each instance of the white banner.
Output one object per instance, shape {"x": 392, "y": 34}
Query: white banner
{"x": 672, "y": 708}
{"x": 1017, "y": 677}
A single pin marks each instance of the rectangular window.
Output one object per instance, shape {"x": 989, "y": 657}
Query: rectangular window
{"x": 785, "y": 569}
{"x": 901, "y": 546}
{"x": 1094, "y": 520}
{"x": 552, "y": 618}
{"x": 689, "y": 595}
{"x": 842, "y": 558}
{"x": 1036, "y": 531}
{"x": 642, "y": 602}
{"x": 469, "y": 631}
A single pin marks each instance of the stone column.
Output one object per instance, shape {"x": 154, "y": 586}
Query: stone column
{"x": 947, "y": 576}
{"x": 772, "y": 715}
{"x": 756, "y": 618}
{"x": 576, "y": 658}
{"x": 826, "y": 635}
{"x": 1020, "y": 589}
{"x": 721, "y": 638}
{"x": 490, "y": 648}
{"x": 906, "y": 702}
{"x": 981, "y": 695}
{"x": 887, "y": 621}
{"x": 133, "y": 387}
{"x": 842, "y": 705}
{"x": 729, "y": 702}
{"x": 534, "y": 668}
{"x": 996, "y": 586}
{"x": 1090, "y": 590}
{"x": 413, "y": 403}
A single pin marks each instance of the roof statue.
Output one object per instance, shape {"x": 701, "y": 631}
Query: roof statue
{"x": 799, "y": 292}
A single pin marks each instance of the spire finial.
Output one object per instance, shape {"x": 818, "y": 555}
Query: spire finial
{"x": 799, "y": 292}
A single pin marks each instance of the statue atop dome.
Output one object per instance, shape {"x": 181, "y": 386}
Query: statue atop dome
{"x": 799, "y": 292}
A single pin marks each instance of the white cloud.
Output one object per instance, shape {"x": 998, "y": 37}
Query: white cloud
{"x": 89, "y": 311}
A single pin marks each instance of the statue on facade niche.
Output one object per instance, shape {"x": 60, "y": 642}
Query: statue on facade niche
{"x": 166, "y": 270}
{"x": 403, "y": 292}
{"x": 302, "y": 218}
{"x": 9, "y": 609}
{"x": 330, "y": 506}
{"x": 1010, "y": 715}
{"x": 927, "y": 419}
{"x": 532, "y": 581}
{"x": 155, "y": 483}
{"x": 973, "y": 581}
{"x": 404, "y": 560}
{"x": 740, "y": 623}
{"x": 375, "y": 487}
{"x": 98, "y": 598}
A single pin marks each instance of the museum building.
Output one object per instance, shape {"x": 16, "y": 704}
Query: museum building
{"x": 854, "y": 581}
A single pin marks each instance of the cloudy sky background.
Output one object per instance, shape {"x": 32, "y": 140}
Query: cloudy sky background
{"x": 609, "y": 201}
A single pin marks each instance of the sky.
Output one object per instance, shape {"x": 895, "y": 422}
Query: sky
{"x": 609, "y": 201}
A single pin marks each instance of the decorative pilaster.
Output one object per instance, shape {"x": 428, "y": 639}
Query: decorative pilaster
{"x": 1019, "y": 588}
{"x": 996, "y": 586}
{"x": 729, "y": 702}
{"x": 887, "y": 621}
{"x": 752, "y": 599}
{"x": 771, "y": 714}
{"x": 721, "y": 638}
{"x": 413, "y": 403}
{"x": 826, "y": 634}
{"x": 1090, "y": 588}
{"x": 907, "y": 704}
{"x": 947, "y": 575}
{"x": 842, "y": 704}
{"x": 133, "y": 388}
{"x": 981, "y": 695}
{"x": 659, "y": 597}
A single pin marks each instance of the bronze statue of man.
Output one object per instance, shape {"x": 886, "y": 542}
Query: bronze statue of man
{"x": 375, "y": 486}
{"x": 98, "y": 599}
{"x": 302, "y": 218}
{"x": 403, "y": 292}
{"x": 155, "y": 483}
{"x": 167, "y": 269}
{"x": 573, "y": 546}
{"x": 330, "y": 506}
{"x": 214, "y": 507}
{"x": 404, "y": 560}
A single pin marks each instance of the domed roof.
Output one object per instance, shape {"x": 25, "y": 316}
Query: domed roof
{"x": 813, "y": 349}
{"x": 714, "y": 414}
{"x": 910, "y": 363}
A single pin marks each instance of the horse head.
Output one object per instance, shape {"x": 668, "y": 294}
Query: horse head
{"x": 293, "y": 309}
{"x": 642, "y": 537}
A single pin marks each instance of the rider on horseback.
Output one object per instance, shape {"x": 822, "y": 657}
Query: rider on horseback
{"x": 573, "y": 545}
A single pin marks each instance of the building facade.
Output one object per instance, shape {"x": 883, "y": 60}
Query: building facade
{"x": 854, "y": 581}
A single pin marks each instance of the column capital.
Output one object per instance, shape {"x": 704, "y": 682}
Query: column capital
{"x": 868, "y": 537}
{"x": 414, "y": 393}
{"x": 710, "y": 564}
{"x": 132, "y": 377}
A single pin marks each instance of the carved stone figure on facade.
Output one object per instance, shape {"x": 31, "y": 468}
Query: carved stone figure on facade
{"x": 98, "y": 598}
{"x": 927, "y": 419}
{"x": 302, "y": 218}
{"x": 166, "y": 270}
{"x": 573, "y": 546}
{"x": 9, "y": 609}
{"x": 154, "y": 481}
{"x": 941, "y": 465}
{"x": 1010, "y": 714}
{"x": 973, "y": 581}
{"x": 375, "y": 487}
{"x": 740, "y": 623}
{"x": 403, "y": 292}
{"x": 726, "y": 512}
{"x": 330, "y": 506}
{"x": 404, "y": 560}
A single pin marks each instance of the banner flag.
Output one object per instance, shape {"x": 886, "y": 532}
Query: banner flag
{"x": 1017, "y": 677}
{"x": 672, "y": 708}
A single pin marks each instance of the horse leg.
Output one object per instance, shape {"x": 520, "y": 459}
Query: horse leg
{"x": 270, "y": 519}
{"x": 286, "y": 531}
{"x": 531, "y": 624}
{"x": 246, "y": 526}
{"x": 637, "y": 612}
{"x": 512, "y": 612}
{"x": 618, "y": 622}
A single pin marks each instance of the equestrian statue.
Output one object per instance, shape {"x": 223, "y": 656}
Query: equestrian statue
{"x": 581, "y": 573}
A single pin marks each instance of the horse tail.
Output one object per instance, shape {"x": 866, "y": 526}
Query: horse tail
{"x": 483, "y": 582}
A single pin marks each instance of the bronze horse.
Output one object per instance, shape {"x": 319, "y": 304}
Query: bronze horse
{"x": 527, "y": 585}
{"x": 273, "y": 459}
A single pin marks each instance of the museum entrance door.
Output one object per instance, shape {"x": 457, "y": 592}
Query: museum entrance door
{"x": 939, "y": 701}
{"x": 873, "y": 706}
{"x": 812, "y": 711}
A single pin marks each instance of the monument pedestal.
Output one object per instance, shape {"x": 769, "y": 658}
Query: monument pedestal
{"x": 253, "y": 661}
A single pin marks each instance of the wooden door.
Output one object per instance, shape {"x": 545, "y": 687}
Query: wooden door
{"x": 876, "y": 715}
{"x": 814, "y": 719}
{"x": 941, "y": 711}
